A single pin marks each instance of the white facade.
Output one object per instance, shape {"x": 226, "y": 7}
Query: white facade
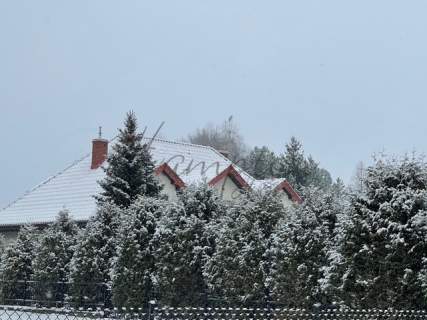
{"x": 169, "y": 189}
{"x": 227, "y": 188}
{"x": 286, "y": 200}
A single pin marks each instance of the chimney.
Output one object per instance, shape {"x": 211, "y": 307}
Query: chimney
{"x": 99, "y": 152}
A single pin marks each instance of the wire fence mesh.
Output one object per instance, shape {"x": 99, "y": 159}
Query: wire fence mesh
{"x": 54, "y": 294}
{"x": 27, "y": 313}
{"x": 30, "y": 300}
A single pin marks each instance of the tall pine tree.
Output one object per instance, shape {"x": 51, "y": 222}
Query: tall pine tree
{"x": 260, "y": 163}
{"x": 130, "y": 169}
{"x": 293, "y": 164}
{"x": 299, "y": 170}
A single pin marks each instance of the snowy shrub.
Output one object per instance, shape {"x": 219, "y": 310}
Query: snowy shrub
{"x": 92, "y": 260}
{"x": 184, "y": 241}
{"x": 385, "y": 244}
{"x": 16, "y": 264}
{"x": 52, "y": 258}
{"x": 300, "y": 249}
{"x": 239, "y": 269}
{"x": 133, "y": 273}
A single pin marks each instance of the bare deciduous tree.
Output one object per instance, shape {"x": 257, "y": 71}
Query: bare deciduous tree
{"x": 225, "y": 137}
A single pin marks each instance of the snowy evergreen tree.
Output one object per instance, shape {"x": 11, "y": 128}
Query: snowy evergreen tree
{"x": 339, "y": 189}
{"x": 133, "y": 272}
{"x": 130, "y": 169}
{"x": 240, "y": 268}
{"x": 329, "y": 282}
{"x": 260, "y": 163}
{"x": 300, "y": 249}
{"x": 16, "y": 265}
{"x": 2, "y": 245}
{"x": 92, "y": 260}
{"x": 52, "y": 258}
{"x": 293, "y": 164}
{"x": 184, "y": 242}
{"x": 385, "y": 244}
{"x": 317, "y": 176}
{"x": 299, "y": 170}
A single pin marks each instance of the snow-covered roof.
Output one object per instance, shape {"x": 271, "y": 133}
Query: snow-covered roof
{"x": 277, "y": 184}
{"x": 193, "y": 163}
{"x": 74, "y": 187}
{"x": 267, "y": 183}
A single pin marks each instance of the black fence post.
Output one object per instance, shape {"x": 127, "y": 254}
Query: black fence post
{"x": 151, "y": 304}
{"x": 25, "y": 292}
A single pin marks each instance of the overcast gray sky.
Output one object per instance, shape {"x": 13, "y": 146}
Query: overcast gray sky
{"x": 346, "y": 77}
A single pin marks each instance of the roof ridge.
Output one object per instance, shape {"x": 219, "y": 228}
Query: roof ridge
{"x": 271, "y": 179}
{"x": 232, "y": 163}
{"x": 181, "y": 142}
{"x": 44, "y": 182}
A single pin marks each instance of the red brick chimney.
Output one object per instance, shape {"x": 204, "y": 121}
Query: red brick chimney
{"x": 99, "y": 152}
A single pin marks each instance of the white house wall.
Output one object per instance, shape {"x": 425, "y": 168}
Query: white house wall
{"x": 287, "y": 202}
{"x": 9, "y": 237}
{"x": 169, "y": 188}
{"x": 227, "y": 189}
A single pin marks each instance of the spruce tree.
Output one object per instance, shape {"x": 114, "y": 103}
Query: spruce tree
{"x": 133, "y": 273}
{"x": 293, "y": 164}
{"x": 317, "y": 176}
{"x": 130, "y": 169}
{"x": 260, "y": 163}
{"x": 16, "y": 265}
{"x": 240, "y": 268}
{"x": 299, "y": 170}
{"x": 385, "y": 245}
{"x": 185, "y": 241}
{"x": 93, "y": 257}
{"x": 52, "y": 258}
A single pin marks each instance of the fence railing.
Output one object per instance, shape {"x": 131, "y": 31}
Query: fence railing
{"x": 27, "y": 313}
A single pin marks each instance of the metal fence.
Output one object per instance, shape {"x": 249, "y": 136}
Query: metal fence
{"x": 54, "y": 294}
{"x": 27, "y": 313}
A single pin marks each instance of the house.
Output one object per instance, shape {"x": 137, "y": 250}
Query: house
{"x": 178, "y": 165}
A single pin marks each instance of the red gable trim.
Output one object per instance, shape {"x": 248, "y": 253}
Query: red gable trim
{"x": 284, "y": 185}
{"x": 171, "y": 174}
{"x": 233, "y": 174}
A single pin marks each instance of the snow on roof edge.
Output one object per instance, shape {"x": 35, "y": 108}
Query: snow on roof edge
{"x": 44, "y": 182}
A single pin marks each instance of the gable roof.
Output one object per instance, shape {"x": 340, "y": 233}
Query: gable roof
{"x": 171, "y": 174}
{"x": 231, "y": 172}
{"x": 74, "y": 187}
